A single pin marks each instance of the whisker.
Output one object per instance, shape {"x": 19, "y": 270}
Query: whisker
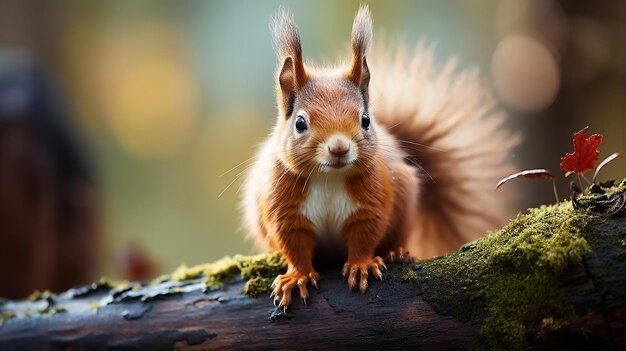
{"x": 307, "y": 179}
{"x": 296, "y": 182}
{"x": 280, "y": 178}
{"x": 395, "y": 147}
{"x": 373, "y": 101}
{"x": 238, "y": 176}
{"x": 250, "y": 159}
{"x": 317, "y": 140}
{"x": 395, "y": 125}
{"x": 229, "y": 184}
{"x": 246, "y": 169}
{"x": 230, "y": 170}
{"x": 422, "y": 168}
{"x": 410, "y": 157}
{"x": 422, "y": 145}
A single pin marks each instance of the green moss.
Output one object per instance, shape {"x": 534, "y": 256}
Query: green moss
{"x": 508, "y": 279}
{"x": 116, "y": 285}
{"x": 548, "y": 237}
{"x": 45, "y": 312}
{"x": 215, "y": 273}
{"x": 39, "y": 295}
{"x": 264, "y": 265}
{"x": 259, "y": 271}
{"x": 6, "y": 315}
{"x": 618, "y": 189}
{"x": 48, "y": 312}
{"x": 386, "y": 326}
{"x": 103, "y": 281}
{"x": 257, "y": 286}
{"x": 95, "y": 305}
{"x": 176, "y": 290}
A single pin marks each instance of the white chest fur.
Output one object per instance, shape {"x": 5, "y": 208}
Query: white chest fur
{"x": 328, "y": 205}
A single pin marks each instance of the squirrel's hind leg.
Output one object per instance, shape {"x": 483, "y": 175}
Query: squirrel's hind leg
{"x": 406, "y": 187}
{"x": 401, "y": 256}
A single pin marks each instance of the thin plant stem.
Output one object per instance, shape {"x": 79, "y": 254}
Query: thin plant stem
{"x": 586, "y": 180}
{"x": 556, "y": 194}
{"x": 580, "y": 182}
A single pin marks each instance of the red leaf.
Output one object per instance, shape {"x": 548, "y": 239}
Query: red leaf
{"x": 585, "y": 155}
{"x": 530, "y": 173}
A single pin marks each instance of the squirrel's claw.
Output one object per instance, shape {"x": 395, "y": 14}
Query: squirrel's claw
{"x": 285, "y": 283}
{"x": 357, "y": 272}
{"x": 402, "y": 257}
{"x": 304, "y": 294}
{"x": 314, "y": 277}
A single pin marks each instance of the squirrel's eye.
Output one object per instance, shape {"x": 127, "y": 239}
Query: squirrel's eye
{"x": 301, "y": 126}
{"x": 365, "y": 121}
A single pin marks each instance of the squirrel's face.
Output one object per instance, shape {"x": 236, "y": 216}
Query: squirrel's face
{"x": 329, "y": 128}
{"x": 323, "y": 115}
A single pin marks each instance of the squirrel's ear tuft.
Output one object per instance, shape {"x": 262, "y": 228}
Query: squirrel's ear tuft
{"x": 291, "y": 75}
{"x": 358, "y": 72}
{"x": 361, "y": 31}
{"x": 287, "y": 43}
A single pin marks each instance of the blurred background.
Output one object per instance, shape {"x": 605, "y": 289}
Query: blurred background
{"x": 118, "y": 118}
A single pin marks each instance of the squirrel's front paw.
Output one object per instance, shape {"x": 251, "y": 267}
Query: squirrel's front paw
{"x": 284, "y": 283}
{"x": 358, "y": 271}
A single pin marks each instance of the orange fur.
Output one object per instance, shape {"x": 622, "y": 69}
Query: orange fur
{"x": 291, "y": 233}
{"x": 327, "y": 185}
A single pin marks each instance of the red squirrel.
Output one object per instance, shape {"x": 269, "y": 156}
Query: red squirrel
{"x": 359, "y": 166}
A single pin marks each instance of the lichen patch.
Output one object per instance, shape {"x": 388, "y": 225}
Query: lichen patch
{"x": 258, "y": 270}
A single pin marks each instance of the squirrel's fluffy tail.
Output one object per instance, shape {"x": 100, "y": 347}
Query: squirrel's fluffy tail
{"x": 448, "y": 123}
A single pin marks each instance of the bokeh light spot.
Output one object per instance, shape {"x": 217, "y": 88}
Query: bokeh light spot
{"x": 525, "y": 73}
{"x": 148, "y": 94}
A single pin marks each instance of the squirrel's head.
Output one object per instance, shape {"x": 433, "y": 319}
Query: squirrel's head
{"x": 323, "y": 120}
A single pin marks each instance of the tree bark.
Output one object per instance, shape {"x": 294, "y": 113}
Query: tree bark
{"x": 393, "y": 314}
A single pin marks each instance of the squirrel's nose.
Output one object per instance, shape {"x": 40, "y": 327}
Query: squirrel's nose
{"x": 338, "y": 150}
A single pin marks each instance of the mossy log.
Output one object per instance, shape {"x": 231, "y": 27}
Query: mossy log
{"x": 555, "y": 278}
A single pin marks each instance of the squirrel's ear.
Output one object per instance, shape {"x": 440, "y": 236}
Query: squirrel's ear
{"x": 288, "y": 87}
{"x": 365, "y": 82}
{"x": 358, "y": 72}
{"x": 292, "y": 76}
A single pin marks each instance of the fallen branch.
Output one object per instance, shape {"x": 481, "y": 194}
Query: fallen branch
{"x": 553, "y": 278}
